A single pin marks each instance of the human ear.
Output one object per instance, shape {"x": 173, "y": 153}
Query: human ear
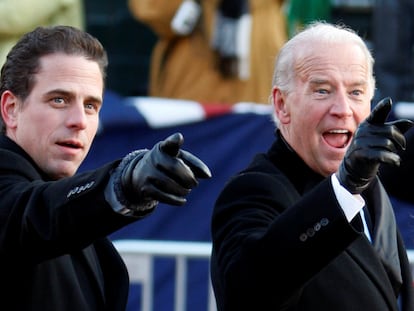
{"x": 280, "y": 106}
{"x": 9, "y": 106}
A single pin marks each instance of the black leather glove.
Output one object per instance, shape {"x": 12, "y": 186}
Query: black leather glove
{"x": 375, "y": 141}
{"x": 165, "y": 173}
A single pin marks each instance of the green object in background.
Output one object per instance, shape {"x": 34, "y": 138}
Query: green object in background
{"x": 301, "y": 12}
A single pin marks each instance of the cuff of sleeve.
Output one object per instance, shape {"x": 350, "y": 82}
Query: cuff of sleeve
{"x": 115, "y": 197}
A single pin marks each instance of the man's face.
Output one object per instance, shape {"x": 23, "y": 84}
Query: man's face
{"x": 331, "y": 97}
{"x": 57, "y": 122}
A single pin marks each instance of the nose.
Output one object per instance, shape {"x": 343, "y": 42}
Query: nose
{"x": 76, "y": 117}
{"x": 342, "y": 105}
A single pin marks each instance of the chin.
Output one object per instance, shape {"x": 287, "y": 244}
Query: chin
{"x": 331, "y": 168}
{"x": 61, "y": 173}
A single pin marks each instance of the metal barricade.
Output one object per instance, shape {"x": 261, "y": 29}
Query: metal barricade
{"x": 139, "y": 254}
{"x": 410, "y": 254}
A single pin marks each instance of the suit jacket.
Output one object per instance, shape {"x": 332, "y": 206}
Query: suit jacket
{"x": 54, "y": 254}
{"x": 282, "y": 242}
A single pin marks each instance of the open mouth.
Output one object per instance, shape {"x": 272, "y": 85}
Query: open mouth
{"x": 69, "y": 145}
{"x": 337, "y": 138}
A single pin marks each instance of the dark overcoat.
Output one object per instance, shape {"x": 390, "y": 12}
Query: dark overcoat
{"x": 282, "y": 242}
{"x": 54, "y": 254}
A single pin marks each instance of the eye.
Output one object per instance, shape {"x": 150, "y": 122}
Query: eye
{"x": 357, "y": 92}
{"x": 322, "y": 91}
{"x": 92, "y": 107}
{"x": 58, "y": 100}
{"x": 89, "y": 106}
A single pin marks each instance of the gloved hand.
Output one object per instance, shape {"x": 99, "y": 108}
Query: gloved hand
{"x": 165, "y": 173}
{"x": 375, "y": 141}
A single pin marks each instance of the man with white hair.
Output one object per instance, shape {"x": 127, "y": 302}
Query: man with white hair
{"x": 308, "y": 225}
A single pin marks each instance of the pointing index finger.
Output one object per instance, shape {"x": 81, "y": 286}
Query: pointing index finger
{"x": 380, "y": 112}
{"x": 172, "y": 144}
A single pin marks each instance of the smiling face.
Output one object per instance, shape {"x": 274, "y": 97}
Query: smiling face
{"x": 57, "y": 122}
{"x": 330, "y": 97}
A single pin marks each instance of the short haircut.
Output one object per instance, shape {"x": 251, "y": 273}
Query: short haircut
{"x": 23, "y": 60}
{"x": 316, "y": 32}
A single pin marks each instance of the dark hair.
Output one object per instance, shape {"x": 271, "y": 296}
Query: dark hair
{"x": 22, "y": 62}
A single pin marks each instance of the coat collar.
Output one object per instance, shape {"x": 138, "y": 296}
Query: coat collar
{"x": 8, "y": 144}
{"x": 288, "y": 161}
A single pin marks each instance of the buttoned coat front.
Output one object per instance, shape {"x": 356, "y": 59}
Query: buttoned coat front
{"x": 282, "y": 242}
{"x": 54, "y": 254}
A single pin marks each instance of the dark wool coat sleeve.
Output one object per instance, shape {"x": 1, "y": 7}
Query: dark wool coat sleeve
{"x": 54, "y": 254}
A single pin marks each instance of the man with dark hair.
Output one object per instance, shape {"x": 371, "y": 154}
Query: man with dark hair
{"x": 54, "y": 254}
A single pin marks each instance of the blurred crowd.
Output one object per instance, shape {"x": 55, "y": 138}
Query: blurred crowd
{"x": 189, "y": 66}
{"x": 218, "y": 51}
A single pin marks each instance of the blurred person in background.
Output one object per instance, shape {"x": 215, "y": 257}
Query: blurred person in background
{"x": 393, "y": 48}
{"x": 302, "y": 12}
{"x": 216, "y": 51}
{"x": 20, "y": 16}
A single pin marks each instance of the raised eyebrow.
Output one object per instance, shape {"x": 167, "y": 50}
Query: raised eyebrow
{"x": 361, "y": 83}
{"x": 318, "y": 82}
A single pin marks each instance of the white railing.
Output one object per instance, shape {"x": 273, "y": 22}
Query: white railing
{"x": 410, "y": 254}
{"x": 139, "y": 254}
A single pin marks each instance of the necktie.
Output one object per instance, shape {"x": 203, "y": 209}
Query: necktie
{"x": 368, "y": 219}
{"x": 365, "y": 224}
{"x": 357, "y": 222}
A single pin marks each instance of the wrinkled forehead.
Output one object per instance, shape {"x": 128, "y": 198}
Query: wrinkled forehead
{"x": 326, "y": 58}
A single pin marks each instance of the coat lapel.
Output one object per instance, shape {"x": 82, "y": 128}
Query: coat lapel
{"x": 366, "y": 257}
{"x": 385, "y": 233}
